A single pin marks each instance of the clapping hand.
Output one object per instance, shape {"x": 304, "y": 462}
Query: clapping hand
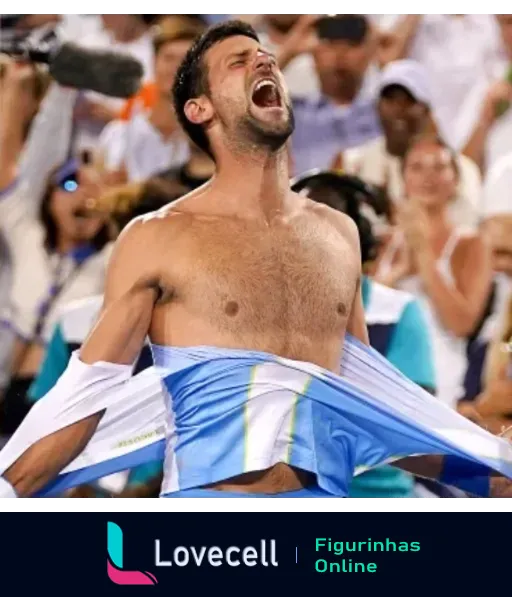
{"x": 402, "y": 265}
{"x": 413, "y": 221}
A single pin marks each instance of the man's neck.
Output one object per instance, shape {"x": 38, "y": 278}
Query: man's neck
{"x": 199, "y": 166}
{"x": 253, "y": 184}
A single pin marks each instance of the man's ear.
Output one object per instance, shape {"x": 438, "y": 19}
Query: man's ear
{"x": 198, "y": 110}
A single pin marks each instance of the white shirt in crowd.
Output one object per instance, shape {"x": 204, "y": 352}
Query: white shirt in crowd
{"x": 26, "y": 269}
{"x": 497, "y": 190}
{"x": 139, "y": 147}
{"x": 74, "y": 27}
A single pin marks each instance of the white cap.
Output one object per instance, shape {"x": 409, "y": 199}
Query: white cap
{"x": 497, "y": 190}
{"x": 410, "y": 75}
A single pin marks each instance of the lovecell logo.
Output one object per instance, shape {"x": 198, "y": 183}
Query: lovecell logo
{"x": 116, "y": 573}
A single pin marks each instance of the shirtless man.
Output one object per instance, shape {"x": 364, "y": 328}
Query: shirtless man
{"x": 242, "y": 263}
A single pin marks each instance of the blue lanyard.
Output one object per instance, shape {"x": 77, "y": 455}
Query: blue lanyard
{"x": 79, "y": 256}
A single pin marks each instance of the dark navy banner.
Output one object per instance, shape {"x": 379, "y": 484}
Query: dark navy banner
{"x": 203, "y": 552}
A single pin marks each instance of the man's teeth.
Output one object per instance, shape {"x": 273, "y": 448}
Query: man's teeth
{"x": 264, "y": 83}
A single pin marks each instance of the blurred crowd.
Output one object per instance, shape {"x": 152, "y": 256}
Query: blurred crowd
{"x": 409, "y": 116}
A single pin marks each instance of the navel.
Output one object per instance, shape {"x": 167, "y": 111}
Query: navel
{"x": 342, "y": 309}
{"x": 231, "y": 308}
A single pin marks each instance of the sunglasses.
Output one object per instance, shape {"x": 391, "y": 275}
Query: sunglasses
{"x": 66, "y": 177}
{"x": 69, "y": 184}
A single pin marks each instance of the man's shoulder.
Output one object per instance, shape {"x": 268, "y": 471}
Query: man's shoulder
{"x": 342, "y": 222}
{"x": 150, "y": 226}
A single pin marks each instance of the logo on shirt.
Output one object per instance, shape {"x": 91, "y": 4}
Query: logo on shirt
{"x": 115, "y": 567}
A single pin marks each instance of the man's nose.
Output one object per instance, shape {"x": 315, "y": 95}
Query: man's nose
{"x": 263, "y": 62}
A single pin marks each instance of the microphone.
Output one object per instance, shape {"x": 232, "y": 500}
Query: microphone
{"x": 103, "y": 71}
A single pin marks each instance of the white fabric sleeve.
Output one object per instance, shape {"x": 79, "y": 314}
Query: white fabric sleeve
{"x": 135, "y": 414}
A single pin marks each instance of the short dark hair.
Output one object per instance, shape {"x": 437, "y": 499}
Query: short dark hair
{"x": 192, "y": 77}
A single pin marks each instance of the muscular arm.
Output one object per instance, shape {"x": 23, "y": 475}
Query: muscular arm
{"x": 117, "y": 338}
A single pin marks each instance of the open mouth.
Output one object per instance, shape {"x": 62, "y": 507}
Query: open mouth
{"x": 266, "y": 94}
{"x": 81, "y": 212}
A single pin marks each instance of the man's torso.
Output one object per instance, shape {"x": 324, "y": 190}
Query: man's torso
{"x": 285, "y": 288}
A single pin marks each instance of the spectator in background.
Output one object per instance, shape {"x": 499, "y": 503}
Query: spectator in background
{"x": 457, "y": 52}
{"x": 497, "y": 230}
{"x": 405, "y": 110}
{"x": 396, "y": 323}
{"x": 26, "y": 159}
{"x": 428, "y": 256}
{"x": 169, "y": 28}
{"x": 343, "y": 115}
{"x": 127, "y": 34}
{"x": 147, "y": 138}
{"x": 59, "y": 254}
{"x": 77, "y": 318}
{"x": 491, "y": 135}
{"x": 56, "y": 253}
